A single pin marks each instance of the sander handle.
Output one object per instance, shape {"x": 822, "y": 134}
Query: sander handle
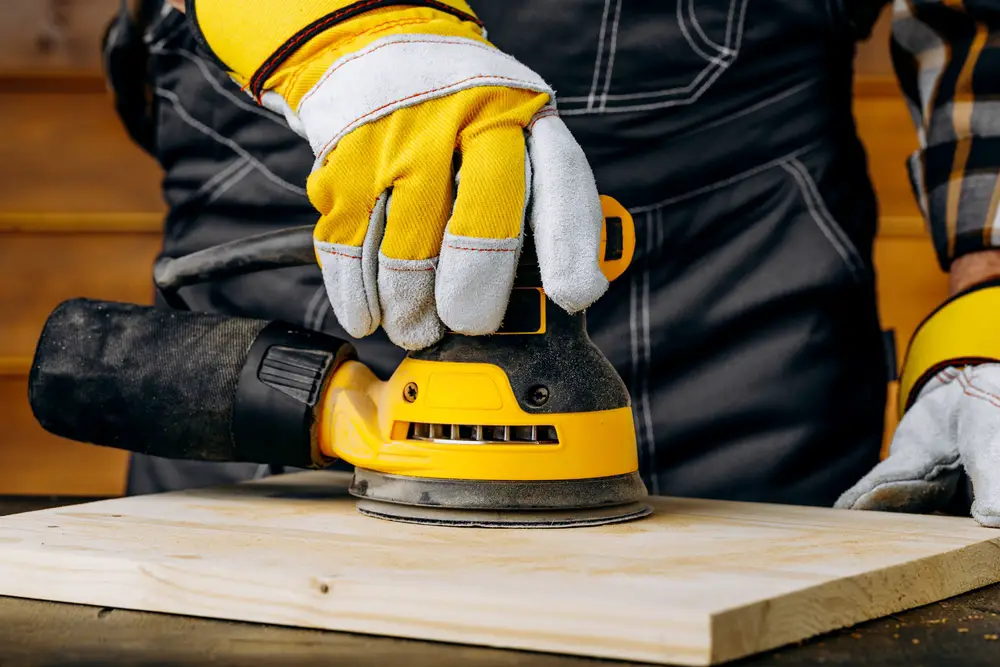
{"x": 183, "y": 385}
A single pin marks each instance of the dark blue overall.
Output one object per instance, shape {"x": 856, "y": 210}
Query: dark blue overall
{"x": 746, "y": 328}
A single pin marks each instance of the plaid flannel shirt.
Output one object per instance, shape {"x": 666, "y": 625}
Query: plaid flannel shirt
{"x": 946, "y": 55}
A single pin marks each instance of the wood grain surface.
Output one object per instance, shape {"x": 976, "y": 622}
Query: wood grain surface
{"x": 698, "y": 583}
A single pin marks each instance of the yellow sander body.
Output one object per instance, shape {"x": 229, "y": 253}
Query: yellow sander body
{"x": 530, "y": 426}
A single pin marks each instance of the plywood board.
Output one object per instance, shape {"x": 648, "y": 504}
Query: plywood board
{"x": 697, "y": 583}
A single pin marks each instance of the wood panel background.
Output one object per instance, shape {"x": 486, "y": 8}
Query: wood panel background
{"x": 80, "y": 212}
{"x": 39, "y": 37}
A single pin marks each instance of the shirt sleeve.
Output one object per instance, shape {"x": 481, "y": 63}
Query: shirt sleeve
{"x": 946, "y": 55}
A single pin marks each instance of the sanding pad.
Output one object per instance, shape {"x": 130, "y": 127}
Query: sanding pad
{"x": 500, "y": 503}
{"x": 437, "y": 516}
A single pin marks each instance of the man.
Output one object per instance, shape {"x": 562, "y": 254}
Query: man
{"x": 746, "y": 328}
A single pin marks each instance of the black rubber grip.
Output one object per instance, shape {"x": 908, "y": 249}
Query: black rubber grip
{"x": 181, "y": 385}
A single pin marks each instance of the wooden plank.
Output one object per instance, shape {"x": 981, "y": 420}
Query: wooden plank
{"x": 876, "y": 85}
{"x": 886, "y": 130}
{"x": 81, "y": 223}
{"x": 52, "y": 81}
{"x": 872, "y": 57}
{"x": 54, "y": 34}
{"x": 71, "y": 153}
{"x": 699, "y": 582}
{"x": 34, "y": 462}
{"x": 14, "y": 366}
{"x": 889, "y": 226}
{"x": 910, "y": 283}
{"x": 39, "y": 270}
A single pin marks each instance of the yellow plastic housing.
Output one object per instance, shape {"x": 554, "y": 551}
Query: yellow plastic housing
{"x": 613, "y": 268}
{"x": 364, "y": 422}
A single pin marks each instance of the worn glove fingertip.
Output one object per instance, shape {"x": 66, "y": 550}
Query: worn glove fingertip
{"x": 351, "y": 297}
{"x": 417, "y": 337}
{"x": 846, "y": 501}
{"x": 568, "y": 249}
{"x": 909, "y": 496}
{"x": 987, "y": 520}
{"x": 986, "y": 512}
{"x": 474, "y": 282}
{"x": 406, "y": 294}
{"x": 576, "y": 291}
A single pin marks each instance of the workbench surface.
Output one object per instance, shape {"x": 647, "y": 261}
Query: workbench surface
{"x": 964, "y": 630}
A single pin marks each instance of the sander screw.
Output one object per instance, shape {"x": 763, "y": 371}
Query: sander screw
{"x": 538, "y": 395}
{"x": 410, "y": 392}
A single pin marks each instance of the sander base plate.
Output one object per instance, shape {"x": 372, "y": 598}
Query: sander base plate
{"x": 562, "y": 503}
{"x": 440, "y": 516}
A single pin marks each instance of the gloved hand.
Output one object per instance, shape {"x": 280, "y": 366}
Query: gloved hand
{"x": 392, "y": 97}
{"x": 954, "y": 424}
{"x": 950, "y": 407}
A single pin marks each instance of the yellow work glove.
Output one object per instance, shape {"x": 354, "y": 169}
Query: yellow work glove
{"x": 433, "y": 148}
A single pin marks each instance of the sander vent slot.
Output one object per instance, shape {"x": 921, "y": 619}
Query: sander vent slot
{"x": 478, "y": 434}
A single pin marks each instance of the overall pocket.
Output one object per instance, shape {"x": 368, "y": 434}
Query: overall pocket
{"x": 825, "y": 221}
{"x": 609, "y": 56}
{"x": 653, "y": 57}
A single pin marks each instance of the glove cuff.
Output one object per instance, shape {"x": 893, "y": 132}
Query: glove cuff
{"x": 392, "y": 73}
{"x": 252, "y": 39}
{"x": 962, "y": 331}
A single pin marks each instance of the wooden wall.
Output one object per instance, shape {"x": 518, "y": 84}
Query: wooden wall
{"x": 80, "y": 211}
{"x": 79, "y": 215}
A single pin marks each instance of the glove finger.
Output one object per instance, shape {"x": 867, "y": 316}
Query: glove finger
{"x": 566, "y": 216}
{"x": 350, "y": 270}
{"x": 483, "y": 241}
{"x": 417, "y": 213}
{"x": 913, "y": 478}
{"x": 915, "y": 496}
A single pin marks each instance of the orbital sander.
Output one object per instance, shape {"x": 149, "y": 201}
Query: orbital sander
{"x": 529, "y": 427}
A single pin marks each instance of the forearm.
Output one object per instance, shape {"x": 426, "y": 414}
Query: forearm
{"x": 973, "y": 269}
